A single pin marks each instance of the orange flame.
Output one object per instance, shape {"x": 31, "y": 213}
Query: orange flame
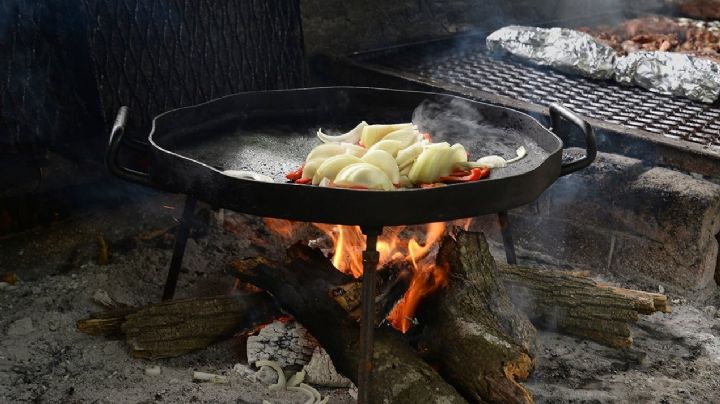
{"x": 349, "y": 243}
{"x": 426, "y": 280}
{"x": 282, "y": 227}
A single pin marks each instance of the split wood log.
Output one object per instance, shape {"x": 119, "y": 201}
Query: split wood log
{"x": 106, "y": 323}
{"x": 481, "y": 342}
{"x": 571, "y": 303}
{"x": 176, "y": 327}
{"x": 302, "y": 287}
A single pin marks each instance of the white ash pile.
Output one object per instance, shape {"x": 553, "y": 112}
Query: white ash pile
{"x": 283, "y": 341}
{"x": 289, "y": 345}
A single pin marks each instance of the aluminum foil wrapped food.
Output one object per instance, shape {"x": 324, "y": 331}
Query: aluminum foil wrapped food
{"x": 671, "y": 73}
{"x": 563, "y": 49}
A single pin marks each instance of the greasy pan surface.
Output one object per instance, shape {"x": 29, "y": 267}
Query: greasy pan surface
{"x": 271, "y": 132}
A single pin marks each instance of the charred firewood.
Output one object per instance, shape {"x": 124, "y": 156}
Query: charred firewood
{"x": 301, "y": 286}
{"x": 176, "y": 327}
{"x": 571, "y": 303}
{"x": 481, "y": 342}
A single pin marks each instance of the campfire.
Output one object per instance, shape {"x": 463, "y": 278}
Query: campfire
{"x": 451, "y": 322}
{"x": 399, "y": 249}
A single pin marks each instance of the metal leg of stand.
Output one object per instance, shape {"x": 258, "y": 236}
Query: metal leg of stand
{"x": 179, "y": 248}
{"x": 371, "y": 257}
{"x": 507, "y": 238}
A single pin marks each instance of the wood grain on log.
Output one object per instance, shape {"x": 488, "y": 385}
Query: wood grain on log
{"x": 302, "y": 285}
{"x": 177, "y": 327}
{"x": 482, "y": 344}
{"x": 572, "y": 303}
{"x": 106, "y": 323}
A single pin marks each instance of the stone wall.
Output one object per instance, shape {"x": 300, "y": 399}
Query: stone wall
{"x": 646, "y": 224}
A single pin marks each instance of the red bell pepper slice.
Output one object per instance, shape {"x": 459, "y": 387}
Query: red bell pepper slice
{"x": 295, "y": 175}
{"x": 475, "y": 175}
{"x": 303, "y": 181}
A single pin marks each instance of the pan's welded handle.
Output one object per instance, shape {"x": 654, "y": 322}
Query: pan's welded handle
{"x": 113, "y": 152}
{"x": 557, "y": 114}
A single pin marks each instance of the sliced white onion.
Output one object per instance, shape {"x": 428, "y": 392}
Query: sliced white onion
{"x": 331, "y": 166}
{"x": 384, "y": 161}
{"x": 372, "y": 134}
{"x": 353, "y": 149}
{"x": 280, "y": 385}
{"x": 248, "y": 175}
{"x": 492, "y": 162}
{"x": 311, "y": 167}
{"x": 351, "y": 137}
{"x": 405, "y": 171}
{"x": 496, "y": 161}
{"x": 520, "y": 153}
{"x": 407, "y": 155}
{"x": 363, "y": 175}
{"x": 405, "y": 181}
{"x": 392, "y": 147}
{"x": 437, "y": 160}
{"x": 296, "y": 379}
{"x": 406, "y": 135}
{"x": 326, "y": 150}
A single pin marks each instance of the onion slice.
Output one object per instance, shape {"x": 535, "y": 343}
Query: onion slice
{"x": 330, "y": 168}
{"x": 407, "y": 136}
{"x": 392, "y": 147}
{"x": 495, "y": 161}
{"x": 363, "y": 175}
{"x": 296, "y": 379}
{"x": 409, "y": 154}
{"x": 372, "y": 134}
{"x": 280, "y": 385}
{"x": 351, "y": 137}
{"x": 384, "y": 161}
{"x": 437, "y": 160}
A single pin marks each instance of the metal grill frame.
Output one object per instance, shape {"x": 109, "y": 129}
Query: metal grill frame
{"x": 644, "y": 138}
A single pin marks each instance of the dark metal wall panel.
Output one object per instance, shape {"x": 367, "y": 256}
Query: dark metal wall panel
{"x": 153, "y": 55}
{"x": 67, "y": 66}
{"x": 46, "y": 85}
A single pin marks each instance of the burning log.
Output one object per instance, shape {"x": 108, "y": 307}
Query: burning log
{"x": 482, "y": 343}
{"x": 302, "y": 286}
{"x": 572, "y": 303}
{"x": 176, "y": 327}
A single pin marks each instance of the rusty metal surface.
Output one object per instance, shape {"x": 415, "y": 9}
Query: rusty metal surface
{"x": 464, "y": 67}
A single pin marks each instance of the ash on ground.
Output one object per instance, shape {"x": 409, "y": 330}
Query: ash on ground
{"x": 43, "y": 358}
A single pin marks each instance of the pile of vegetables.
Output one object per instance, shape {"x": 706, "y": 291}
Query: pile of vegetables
{"x": 386, "y": 157}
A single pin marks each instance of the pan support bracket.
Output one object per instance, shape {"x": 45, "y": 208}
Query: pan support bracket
{"x": 507, "y": 238}
{"x": 181, "y": 237}
{"x": 370, "y": 258}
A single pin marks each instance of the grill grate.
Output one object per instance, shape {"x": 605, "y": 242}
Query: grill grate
{"x": 472, "y": 68}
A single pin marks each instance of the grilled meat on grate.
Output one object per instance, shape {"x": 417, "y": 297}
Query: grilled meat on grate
{"x": 655, "y": 33}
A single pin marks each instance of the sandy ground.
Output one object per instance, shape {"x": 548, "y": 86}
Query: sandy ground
{"x": 675, "y": 358}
